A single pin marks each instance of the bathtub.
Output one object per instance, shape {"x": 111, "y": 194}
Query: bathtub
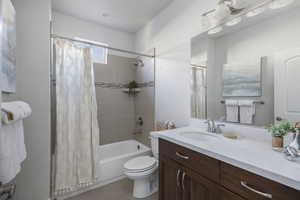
{"x": 113, "y": 156}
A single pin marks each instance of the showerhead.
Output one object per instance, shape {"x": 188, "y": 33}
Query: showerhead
{"x": 139, "y": 63}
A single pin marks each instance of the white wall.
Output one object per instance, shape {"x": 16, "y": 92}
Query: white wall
{"x": 170, "y": 33}
{"x": 73, "y": 27}
{"x": 33, "y": 86}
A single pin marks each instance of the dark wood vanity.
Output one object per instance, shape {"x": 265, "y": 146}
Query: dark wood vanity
{"x": 188, "y": 175}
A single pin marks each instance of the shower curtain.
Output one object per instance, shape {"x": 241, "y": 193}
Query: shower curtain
{"x": 198, "y": 97}
{"x": 77, "y": 132}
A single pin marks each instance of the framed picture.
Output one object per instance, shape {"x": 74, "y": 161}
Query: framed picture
{"x": 242, "y": 80}
{"x": 7, "y": 47}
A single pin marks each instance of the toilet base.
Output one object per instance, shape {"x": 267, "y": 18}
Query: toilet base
{"x": 145, "y": 182}
{"x": 145, "y": 187}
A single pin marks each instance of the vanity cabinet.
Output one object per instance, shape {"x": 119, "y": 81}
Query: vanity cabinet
{"x": 227, "y": 195}
{"x": 180, "y": 183}
{"x": 196, "y": 187}
{"x": 254, "y": 187}
{"x": 169, "y": 173}
{"x": 189, "y": 175}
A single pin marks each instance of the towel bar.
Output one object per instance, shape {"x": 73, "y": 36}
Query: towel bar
{"x": 256, "y": 102}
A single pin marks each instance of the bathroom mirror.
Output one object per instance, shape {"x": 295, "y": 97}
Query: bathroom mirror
{"x": 251, "y": 58}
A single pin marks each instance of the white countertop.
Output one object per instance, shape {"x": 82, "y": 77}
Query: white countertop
{"x": 252, "y": 154}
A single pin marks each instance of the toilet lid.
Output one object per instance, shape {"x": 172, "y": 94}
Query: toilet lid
{"x": 142, "y": 163}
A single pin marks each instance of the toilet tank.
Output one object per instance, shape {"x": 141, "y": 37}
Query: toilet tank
{"x": 154, "y": 145}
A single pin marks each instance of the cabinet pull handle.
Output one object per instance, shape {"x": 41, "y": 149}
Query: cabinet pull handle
{"x": 245, "y": 185}
{"x": 178, "y": 174}
{"x": 182, "y": 156}
{"x": 182, "y": 181}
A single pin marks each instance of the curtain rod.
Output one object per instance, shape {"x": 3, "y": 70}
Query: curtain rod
{"x": 99, "y": 45}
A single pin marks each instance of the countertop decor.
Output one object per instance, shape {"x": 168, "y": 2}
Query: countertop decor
{"x": 278, "y": 131}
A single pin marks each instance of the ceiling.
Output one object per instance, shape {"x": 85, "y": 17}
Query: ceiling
{"x": 129, "y": 16}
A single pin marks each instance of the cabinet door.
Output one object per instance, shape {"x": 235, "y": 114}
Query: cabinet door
{"x": 170, "y": 174}
{"x": 227, "y": 195}
{"x": 196, "y": 187}
{"x": 287, "y": 72}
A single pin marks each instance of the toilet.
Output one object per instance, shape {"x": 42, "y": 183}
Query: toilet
{"x": 143, "y": 171}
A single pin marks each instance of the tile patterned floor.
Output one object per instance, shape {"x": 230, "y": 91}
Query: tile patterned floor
{"x": 121, "y": 190}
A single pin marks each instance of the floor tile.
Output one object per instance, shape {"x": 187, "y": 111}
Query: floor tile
{"x": 121, "y": 190}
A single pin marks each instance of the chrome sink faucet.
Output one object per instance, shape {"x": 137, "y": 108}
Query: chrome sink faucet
{"x": 212, "y": 127}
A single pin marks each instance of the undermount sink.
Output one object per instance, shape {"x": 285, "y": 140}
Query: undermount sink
{"x": 198, "y": 135}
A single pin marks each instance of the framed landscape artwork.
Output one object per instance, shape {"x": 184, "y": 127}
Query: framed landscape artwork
{"x": 242, "y": 80}
{"x": 7, "y": 47}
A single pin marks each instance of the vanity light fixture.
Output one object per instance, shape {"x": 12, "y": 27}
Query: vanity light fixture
{"x": 222, "y": 11}
{"x": 276, "y": 4}
{"x": 256, "y": 12}
{"x": 234, "y": 21}
{"x": 215, "y": 30}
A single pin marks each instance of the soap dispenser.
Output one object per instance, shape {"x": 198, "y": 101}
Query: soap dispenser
{"x": 292, "y": 152}
{"x": 296, "y": 142}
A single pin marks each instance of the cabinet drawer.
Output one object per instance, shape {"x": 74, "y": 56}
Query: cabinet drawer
{"x": 227, "y": 195}
{"x": 202, "y": 164}
{"x": 254, "y": 187}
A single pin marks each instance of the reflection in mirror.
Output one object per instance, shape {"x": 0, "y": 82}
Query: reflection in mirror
{"x": 198, "y": 96}
{"x": 250, "y": 69}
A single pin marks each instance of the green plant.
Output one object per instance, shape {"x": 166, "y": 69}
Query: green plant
{"x": 133, "y": 85}
{"x": 281, "y": 129}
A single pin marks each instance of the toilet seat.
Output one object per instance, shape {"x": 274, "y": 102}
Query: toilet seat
{"x": 140, "y": 164}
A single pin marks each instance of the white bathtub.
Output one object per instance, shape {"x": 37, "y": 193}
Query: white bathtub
{"x": 112, "y": 157}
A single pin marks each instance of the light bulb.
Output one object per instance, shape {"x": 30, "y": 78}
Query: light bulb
{"x": 276, "y": 4}
{"x": 256, "y": 12}
{"x": 215, "y": 30}
{"x": 222, "y": 11}
{"x": 234, "y": 21}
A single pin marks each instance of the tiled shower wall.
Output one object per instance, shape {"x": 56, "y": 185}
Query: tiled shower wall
{"x": 144, "y": 101}
{"x": 116, "y": 114}
{"x": 117, "y": 111}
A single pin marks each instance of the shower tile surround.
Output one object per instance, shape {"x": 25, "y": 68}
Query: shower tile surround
{"x": 117, "y": 111}
{"x": 144, "y": 101}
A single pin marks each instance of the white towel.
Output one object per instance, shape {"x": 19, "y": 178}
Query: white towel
{"x": 247, "y": 111}
{"x": 232, "y": 111}
{"x": 12, "y": 150}
{"x": 14, "y": 111}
